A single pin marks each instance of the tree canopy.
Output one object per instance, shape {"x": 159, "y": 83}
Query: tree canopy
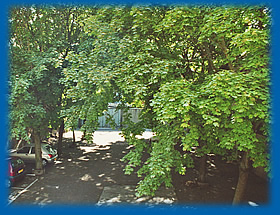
{"x": 200, "y": 74}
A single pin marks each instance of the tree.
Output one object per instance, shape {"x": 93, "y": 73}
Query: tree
{"x": 40, "y": 40}
{"x": 228, "y": 109}
{"x": 200, "y": 75}
{"x": 31, "y": 108}
{"x": 90, "y": 77}
{"x": 199, "y": 103}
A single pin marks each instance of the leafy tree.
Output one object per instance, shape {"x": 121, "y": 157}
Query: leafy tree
{"x": 201, "y": 60}
{"x": 33, "y": 70}
{"x": 41, "y": 38}
{"x": 200, "y": 75}
{"x": 227, "y": 110}
{"x": 89, "y": 79}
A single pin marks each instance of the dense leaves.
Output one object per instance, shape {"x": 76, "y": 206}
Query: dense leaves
{"x": 200, "y": 75}
{"x": 211, "y": 90}
{"x": 41, "y": 38}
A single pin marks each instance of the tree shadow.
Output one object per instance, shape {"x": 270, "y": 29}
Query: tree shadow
{"x": 81, "y": 174}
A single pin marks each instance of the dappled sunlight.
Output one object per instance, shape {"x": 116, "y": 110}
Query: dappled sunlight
{"x": 82, "y": 172}
{"x": 129, "y": 147}
{"x": 77, "y": 162}
{"x": 107, "y": 156}
{"x": 126, "y": 194}
{"x": 146, "y": 135}
{"x": 86, "y": 177}
{"x": 109, "y": 179}
{"x": 101, "y": 175}
{"x": 93, "y": 149}
{"x": 61, "y": 167}
{"x": 83, "y": 158}
{"x": 58, "y": 162}
{"x": 212, "y": 164}
{"x": 43, "y": 201}
{"x": 115, "y": 199}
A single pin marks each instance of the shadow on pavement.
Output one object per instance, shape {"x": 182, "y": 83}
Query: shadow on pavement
{"x": 81, "y": 174}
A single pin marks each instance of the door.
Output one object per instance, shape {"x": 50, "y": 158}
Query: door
{"x": 24, "y": 153}
{"x": 32, "y": 154}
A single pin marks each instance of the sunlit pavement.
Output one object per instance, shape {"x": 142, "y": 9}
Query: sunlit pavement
{"x": 86, "y": 174}
{"x": 125, "y": 194}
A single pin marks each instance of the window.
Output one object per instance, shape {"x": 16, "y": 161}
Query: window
{"x": 16, "y": 162}
{"x": 49, "y": 149}
{"x": 24, "y": 150}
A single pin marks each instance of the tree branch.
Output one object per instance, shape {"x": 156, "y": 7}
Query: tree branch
{"x": 222, "y": 44}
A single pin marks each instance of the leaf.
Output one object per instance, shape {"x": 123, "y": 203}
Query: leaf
{"x": 216, "y": 124}
{"x": 184, "y": 125}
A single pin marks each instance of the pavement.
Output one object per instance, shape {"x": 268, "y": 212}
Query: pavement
{"x": 87, "y": 174}
{"x": 125, "y": 194}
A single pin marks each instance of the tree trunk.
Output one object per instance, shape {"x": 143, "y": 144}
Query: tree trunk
{"x": 59, "y": 142}
{"x": 202, "y": 169}
{"x": 242, "y": 180}
{"x": 84, "y": 133}
{"x": 74, "y": 139}
{"x": 38, "y": 155}
{"x": 202, "y": 166}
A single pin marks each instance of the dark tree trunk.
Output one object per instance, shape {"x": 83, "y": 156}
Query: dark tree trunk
{"x": 59, "y": 142}
{"x": 38, "y": 154}
{"x": 74, "y": 139}
{"x": 202, "y": 166}
{"x": 242, "y": 180}
{"x": 202, "y": 169}
{"x": 84, "y": 133}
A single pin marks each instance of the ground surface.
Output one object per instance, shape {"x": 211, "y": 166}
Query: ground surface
{"x": 86, "y": 172}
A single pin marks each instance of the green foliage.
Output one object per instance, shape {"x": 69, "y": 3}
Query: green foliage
{"x": 200, "y": 75}
{"x": 211, "y": 88}
{"x": 40, "y": 38}
{"x": 163, "y": 158}
{"x": 89, "y": 79}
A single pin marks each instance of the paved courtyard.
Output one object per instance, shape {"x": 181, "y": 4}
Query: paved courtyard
{"x": 86, "y": 174}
